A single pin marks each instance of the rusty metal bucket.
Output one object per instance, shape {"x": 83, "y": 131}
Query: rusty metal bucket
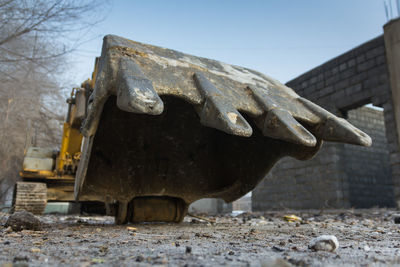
{"x": 164, "y": 129}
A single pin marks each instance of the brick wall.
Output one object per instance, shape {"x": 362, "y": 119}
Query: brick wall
{"x": 342, "y": 175}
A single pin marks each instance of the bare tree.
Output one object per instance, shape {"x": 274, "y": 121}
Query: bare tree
{"x": 35, "y": 37}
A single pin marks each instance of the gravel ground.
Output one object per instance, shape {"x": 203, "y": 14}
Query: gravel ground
{"x": 366, "y": 238}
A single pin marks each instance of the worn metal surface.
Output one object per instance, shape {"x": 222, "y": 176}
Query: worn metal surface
{"x": 163, "y": 123}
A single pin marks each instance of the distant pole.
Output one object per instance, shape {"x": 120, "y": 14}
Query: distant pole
{"x": 386, "y": 10}
{"x": 390, "y": 9}
{"x": 398, "y": 7}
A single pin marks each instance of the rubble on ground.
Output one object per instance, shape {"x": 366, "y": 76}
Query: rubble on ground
{"x": 23, "y": 220}
{"x": 366, "y": 238}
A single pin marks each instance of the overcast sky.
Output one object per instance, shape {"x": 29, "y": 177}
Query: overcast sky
{"x": 281, "y": 38}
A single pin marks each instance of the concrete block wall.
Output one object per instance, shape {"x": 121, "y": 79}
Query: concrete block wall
{"x": 296, "y": 184}
{"x": 358, "y": 77}
{"x": 342, "y": 175}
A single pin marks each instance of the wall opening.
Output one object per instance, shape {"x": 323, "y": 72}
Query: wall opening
{"x": 368, "y": 181}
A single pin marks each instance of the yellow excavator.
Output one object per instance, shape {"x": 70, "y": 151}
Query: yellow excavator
{"x": 156, "y": 129}
{"x": 49, "y": 175}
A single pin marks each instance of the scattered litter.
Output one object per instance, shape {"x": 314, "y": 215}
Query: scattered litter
{"x": 97, "y": 260}
{"x": 367, "y": 248}
{"x": 237, "y": 212}
{"x": 35, "y": 250}
{"x": 188, "y": 249}
{"x": 201, "y": 218}
{"x": 292, "y": 218}
{"x": 131, "y": 229}
{"x": 324, "y": 243}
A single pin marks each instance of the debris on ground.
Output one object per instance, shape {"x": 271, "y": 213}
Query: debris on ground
{"x": 292, "y": 218}
{"x": 324, "y": 243}
{"x": 23, "y": 220}
{"x": 276, "y": 263}
{"x": 367, "y": 238}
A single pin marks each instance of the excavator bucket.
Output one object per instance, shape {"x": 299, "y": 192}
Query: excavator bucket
{"x": 164, "y": 129}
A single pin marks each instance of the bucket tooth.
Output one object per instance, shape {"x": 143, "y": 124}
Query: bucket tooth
{"x": 135, "y": 93}
{"x": 217, "y": 112}
{"x": 333, "y": 128}
{"x": 279, "y": 124}
{"x": 339, "y": 130}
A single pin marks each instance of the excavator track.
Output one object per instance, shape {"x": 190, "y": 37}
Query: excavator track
{"x": 30, "y": 196}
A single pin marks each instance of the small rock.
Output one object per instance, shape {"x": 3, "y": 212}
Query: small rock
{"x": 276, "y": 263}
{"x": 140, "y": 258}
{"x": 188, "y": 249}
{"x": 20, "y": 258}
{"x": 103, "y": 249}
{"x": 277, "y": 249}
{"x": 324, "y": 243}
{"x": 184, "y": 236}
{"x": 231, "y": 253}
{"x": 367, "y": 248}
{"x": 24, "y": 220}
{"x": 396, "y": 218}
{"x": 6, "y": 242}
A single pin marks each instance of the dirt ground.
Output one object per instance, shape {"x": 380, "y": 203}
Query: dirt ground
{"x": 366, "y": 238}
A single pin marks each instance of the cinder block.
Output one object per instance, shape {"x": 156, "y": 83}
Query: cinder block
{"x": 326, "y": 91}
{"x": 381, "y": 60}
{"x": 360, "y": 59}
{"x": 358, "y": 78}
{"x": 354, "y": 89}
{"x": 366, "y": 65}
{"x": 351, "y": 62}
{"x": 348, "y": 73}
{"x": 342, "y": 67}
{"x": 342, "y": 84}
{"x": 375, "y": 52}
